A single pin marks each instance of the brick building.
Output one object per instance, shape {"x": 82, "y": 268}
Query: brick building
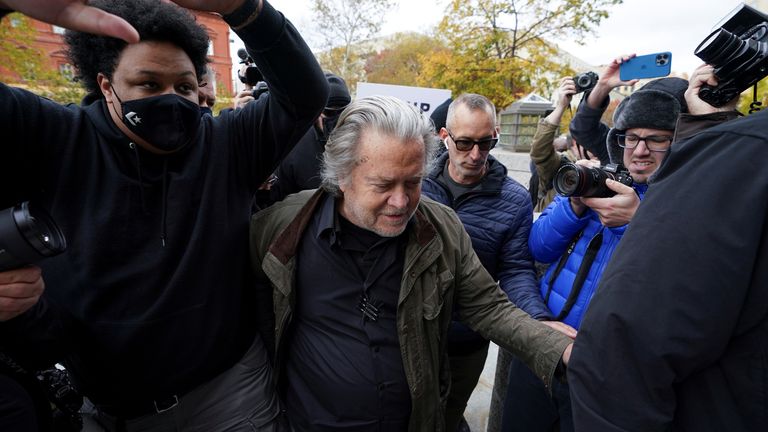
{"x": 49, "y": 39}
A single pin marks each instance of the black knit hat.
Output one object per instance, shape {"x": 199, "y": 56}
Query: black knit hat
{"x": 440, "y": 114}
{"x": 339, "y": 94}
{"x": 656, "y": 106}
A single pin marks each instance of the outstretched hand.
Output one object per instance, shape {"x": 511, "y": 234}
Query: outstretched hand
{"x": 74, "y": 15}
{"x": 562, "y": 328}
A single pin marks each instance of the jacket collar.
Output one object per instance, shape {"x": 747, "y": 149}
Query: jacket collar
{"x": 286, "y": 244}
{"x": 492, "y": 182}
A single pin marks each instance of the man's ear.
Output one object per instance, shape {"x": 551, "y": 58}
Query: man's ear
{"x": 105, "y": 85}
{"x": 442, "y": 133}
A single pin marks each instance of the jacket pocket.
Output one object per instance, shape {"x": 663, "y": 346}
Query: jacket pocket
{"x": 435, "y": 293}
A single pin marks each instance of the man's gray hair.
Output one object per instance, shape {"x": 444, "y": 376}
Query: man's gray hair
{"x": 382, "y": 114}
{"x": 474, "y": 102}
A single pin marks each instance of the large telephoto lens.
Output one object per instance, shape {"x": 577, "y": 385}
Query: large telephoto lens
{"x": 27, "y": 235}
{"x": 718, "y": 47}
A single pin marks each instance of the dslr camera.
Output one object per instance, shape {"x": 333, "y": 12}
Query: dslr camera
{"x": 738, "y": 51}
{"x": 585, "y": 81}
{"x": 583, "y": 181}
{"x": 27, "y": 235}
{"x": 251, "y": 76}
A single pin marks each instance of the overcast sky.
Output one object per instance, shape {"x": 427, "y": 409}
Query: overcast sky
{"x": 639, "y": 26}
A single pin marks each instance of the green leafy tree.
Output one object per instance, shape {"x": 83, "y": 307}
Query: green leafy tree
{"x": 747, "y": 96}
{"x": 23, "y": 65}
{"x": 501, "y": 48}
{"x": 344, "y": 25}
{"x": 402, "y": 59}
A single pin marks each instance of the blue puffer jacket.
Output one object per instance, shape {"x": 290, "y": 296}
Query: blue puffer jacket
{"x": 551, "y": 236}
{"x": 498, "y": 219}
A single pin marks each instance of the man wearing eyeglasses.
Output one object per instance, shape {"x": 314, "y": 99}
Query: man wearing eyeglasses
{"x": 496, "y": 212}
{"x": 577, "y": 236}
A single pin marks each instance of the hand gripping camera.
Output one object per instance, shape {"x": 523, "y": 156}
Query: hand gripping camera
{"x": 27, "y": 235}
{"x": 583, "y": 181}
{"x": 585, "y": 81}
{"x": 739, "y": 53}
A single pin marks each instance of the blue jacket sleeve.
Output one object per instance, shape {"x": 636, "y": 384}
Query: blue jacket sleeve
{"x": 554, "y": 230}
{"x": 517, "y": 276}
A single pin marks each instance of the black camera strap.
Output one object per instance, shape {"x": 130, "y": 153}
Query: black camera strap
{"x": 756, "y": 104}
{"x": 561, "y": 264}
{"x": 581, "y": 275}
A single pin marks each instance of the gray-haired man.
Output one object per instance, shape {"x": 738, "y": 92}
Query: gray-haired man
{"x": 363, "y": 275}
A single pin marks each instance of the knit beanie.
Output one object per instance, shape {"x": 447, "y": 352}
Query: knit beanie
{"x": 655, "y": 106}
{"x": 440, "y": 114}
{"x": 339, "y": 94}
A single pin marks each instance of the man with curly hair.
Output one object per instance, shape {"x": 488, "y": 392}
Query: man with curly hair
{"x": 149, "y": 308}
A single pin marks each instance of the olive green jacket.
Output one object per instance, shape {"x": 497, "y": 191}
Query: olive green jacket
{"x": 547, "y": 161}
{"x": 441, "y": 270}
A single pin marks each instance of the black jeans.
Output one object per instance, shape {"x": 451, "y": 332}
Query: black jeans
{"x": 528, "y": 406}
{"x": 241, "y": 399}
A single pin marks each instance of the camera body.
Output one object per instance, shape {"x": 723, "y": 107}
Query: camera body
{"x": 585, "y": 81}
{"x": 583, "y": 181}
{"x": 739, "y": 53}
{"x": 259, "y": 89}
{"x": 251, "y": 75}
{"x": 64, "y": 397}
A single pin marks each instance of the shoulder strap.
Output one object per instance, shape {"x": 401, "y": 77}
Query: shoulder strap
{"x": 561, "y": 264}
{"x": 581, "y": 276}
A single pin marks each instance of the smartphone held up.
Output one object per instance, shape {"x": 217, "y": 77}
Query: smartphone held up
{"x": 646, "y": 66}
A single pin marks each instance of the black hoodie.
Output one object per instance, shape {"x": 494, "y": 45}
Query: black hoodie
{"x": 146, "y": 321}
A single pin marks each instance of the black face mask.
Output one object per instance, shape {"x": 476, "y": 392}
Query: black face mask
{"x": 167, "y": 122}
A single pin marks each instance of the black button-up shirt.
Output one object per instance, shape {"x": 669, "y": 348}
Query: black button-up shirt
{"x": 344, "y": 371}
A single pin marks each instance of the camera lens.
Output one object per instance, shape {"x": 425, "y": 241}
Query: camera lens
{"x": 568, "y": 180}
{"x": 716, "y": 48}
{"x": 27, "y": 235}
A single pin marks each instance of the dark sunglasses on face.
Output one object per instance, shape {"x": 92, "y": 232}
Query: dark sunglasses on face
{"x": 467, "y": 144}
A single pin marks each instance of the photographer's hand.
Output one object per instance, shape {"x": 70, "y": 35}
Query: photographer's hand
{"x": 609, "y": 80}
{"x": 74, "y": 15}
{"x": 243, "y": 98}
{"x": 20, "y": 289}
{"x": 564, "y": 95}
{"x": 617, "y": 210}
{"x": 704, "y": 75}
